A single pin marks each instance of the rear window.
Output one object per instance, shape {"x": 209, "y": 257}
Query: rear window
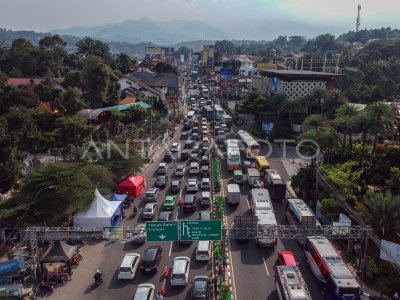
{"x": 125, "y": 269}
{"x": 202, "y": 253}
{"x": 178, "y": 276}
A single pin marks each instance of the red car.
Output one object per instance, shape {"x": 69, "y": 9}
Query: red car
{"x": 286, "y": 258}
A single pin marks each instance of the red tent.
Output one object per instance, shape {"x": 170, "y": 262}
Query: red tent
{"x": 133, "y": 186}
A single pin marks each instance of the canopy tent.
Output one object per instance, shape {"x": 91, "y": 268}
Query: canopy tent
{"x": 102, "y": 213}
{"x": 132, "y": 185}
{"x": 117, "y": 197}
{"x": 58, "y": 252}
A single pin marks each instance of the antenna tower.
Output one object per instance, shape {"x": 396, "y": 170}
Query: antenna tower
{"x": 358, "y": 18}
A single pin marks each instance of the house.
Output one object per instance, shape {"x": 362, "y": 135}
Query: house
{"x": 50, "y": 106}
{"x": 128, "y": 100}
{"x": 131, "y": 85}
{"x": 56, "y": 83}
{"x": 94, "y": 116}
{"x": 146, "y": 65}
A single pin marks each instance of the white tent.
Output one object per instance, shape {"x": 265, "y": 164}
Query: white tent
{"x": 100, "y": 214}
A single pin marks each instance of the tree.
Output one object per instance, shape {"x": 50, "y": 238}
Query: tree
{"x": 225, "y": 47}
{"x": 382, "y": 212}
{"x": 291, "y": 105}
{"x": 125, "y": 63}
{"x": 381, "y": 120}
{"x": 55, "y": 53}
{"x": 183, "y": 50}
{"x": 315, "y": 99}
{"x": 115, "y": 124}
{"x": 71, "y": 130}
{"x": 18, "y": 97}
{"x": 100, "y": 85}
{"x": 73, "y": 78}
{"x": 88, "y": 46}
{"x": 99, "y": 176}
{"x": 393, "y": 182}
{"x": 163, "y": 67}
{"x": 315, "y": 121}
{"x": 71, "y": 101}
{"x": 56, "y": 190}
{"x": 346, "y": 118}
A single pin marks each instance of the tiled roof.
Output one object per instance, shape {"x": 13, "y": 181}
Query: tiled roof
{"x": 127, "y": 100}
{"x": 143, "y": 85}
{"x": 34, "y": 81}
{"x": 156, "y": 82}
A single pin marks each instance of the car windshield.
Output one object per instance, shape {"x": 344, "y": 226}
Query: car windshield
{"x": 124, "y": 269}
{"x": 161, "y": 179}
{"x": 148, "y": 209}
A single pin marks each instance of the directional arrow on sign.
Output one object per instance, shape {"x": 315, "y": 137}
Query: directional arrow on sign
{"x": 162, "y": 236}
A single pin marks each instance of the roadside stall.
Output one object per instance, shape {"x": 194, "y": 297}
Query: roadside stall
{"x": 13, "y": 277}
{"x": 126, "y": 200}
{"x": 56, "y": 262}
{"x": 133, "y": 186}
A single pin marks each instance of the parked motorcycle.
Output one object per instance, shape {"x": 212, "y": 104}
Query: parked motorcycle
{"x": 46, "y": 288}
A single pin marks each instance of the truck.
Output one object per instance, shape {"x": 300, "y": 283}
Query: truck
{"x": 226, "y": 119}
{"x": 233, "y": 194}
{"x": 253, "y": 177}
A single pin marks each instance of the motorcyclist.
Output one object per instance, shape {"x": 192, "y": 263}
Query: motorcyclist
{"x": 134, "y": 210}
{"x": 98, "y": 276}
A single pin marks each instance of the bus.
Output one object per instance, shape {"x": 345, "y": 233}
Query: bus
{"x": 261, "y": 164}
{"x": 205, "y": 93}
{"x": 218, "y": 111}
{"x": 263, "y": 210}
{"x": 275, "y": 184}
{"x": 289, "y": 284}
{"x": 233, "y": 159}
{"x": 250, "y": 146}
{"x": 209, "y": 112}
{"x": 190, "y": 116}
{"x": 330, "y": 271}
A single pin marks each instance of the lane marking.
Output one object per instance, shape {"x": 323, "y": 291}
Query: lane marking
{"x": 170, "y": 246}
{"x": 265, "y": 265}
{"x": 233, "y": 275}
{"x": 213, "y": 271}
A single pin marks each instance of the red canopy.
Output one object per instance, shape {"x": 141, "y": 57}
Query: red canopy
{"x": 132, "y": 185}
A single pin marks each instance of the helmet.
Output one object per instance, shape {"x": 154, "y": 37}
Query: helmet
{"x": 98, "y": 271}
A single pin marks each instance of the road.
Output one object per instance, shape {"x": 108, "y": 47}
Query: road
{"x": 252, "y": 267}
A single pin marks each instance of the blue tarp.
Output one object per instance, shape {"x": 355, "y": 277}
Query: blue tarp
{"x": 126, "y": 106}
{"x": 117, "y": 197}
{"x": 12, "y": 265}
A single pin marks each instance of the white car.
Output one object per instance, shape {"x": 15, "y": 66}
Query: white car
{"x": 205, "y": 183}
{"x": 128, "y": 266}
{"x": 180, "y": 271}
{"x": 192, "y": 185}
{"x": 175, "y": 147}
{"x": 194, "y": 168}
{"x": 149, "y": 211}
{"x": 145, "y": 291}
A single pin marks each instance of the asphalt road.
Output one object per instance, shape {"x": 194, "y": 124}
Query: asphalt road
{"x": 252, "y": 267}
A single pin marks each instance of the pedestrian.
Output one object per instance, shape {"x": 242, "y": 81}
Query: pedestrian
{"x": 159, "y": 296}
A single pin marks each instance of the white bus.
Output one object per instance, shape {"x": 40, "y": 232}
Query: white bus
{"x": 190, "y": 116}
{"x": 331, "y": 272}
{"x": 263, "y": 210}
{"x": 233, "y": 159}
{"x": 218, "y": 111}
{"x": 289, "y": 284}
{"x": 250, "y": 146}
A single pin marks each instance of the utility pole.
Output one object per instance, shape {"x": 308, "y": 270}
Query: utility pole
{"x": 358, "y": 18}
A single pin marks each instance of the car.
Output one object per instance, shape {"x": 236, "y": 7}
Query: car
{"x": 188, "y": 144}
{"x": 175, "y": 147}
{"x": 175, "y": 186}
{"x": 286, "y": 258}
{"x": 185, "y": 154}
{"x": 205, "y": 215}
{"x": 205, "y": 133}
{"x": 195, "y": 130}
{"x": 162, "y": 181}
{"x": 205, "y": 170}
{"x": 194, "y": 168}
{"x": 149, "y": 211}
{"x": 204, "y": 120}
{"x": 137, "y": 235}
{"x": 205, "y": 198}
{"x": 194, "y": 156}
{"x": 205, "y": 183}
{"x": 189, "y": 202}
{"x": 162, "y": 168}
{"x": 152, "y": 194}
{"x": 169, "y": 203}
{"x": 192, "y": 185}
{"x": 128, "y": 266}
{"x": 145, "y": 291}
{"x": 180, "y": 271}
{"x": 204, "y": 128}
{"x": 151, "y": 259}
{"x": 205, "y": 150}
{"x": 180, "y": 171}
{"x": 168, "y": 157}
{"x": 204, "y": 160}
{"x": 201, "y": 288}
{"x": 195, "y": 149}
{"x": 187, "y": 126}
{"x": 205, "y": 141}
{"x": 224, "y": 127}
{"x": 164, "y": 216}
{"x": 184, "y": 135}
{"x": 195, "y": 136}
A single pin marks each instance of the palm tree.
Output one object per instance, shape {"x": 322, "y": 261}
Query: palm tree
{"x": 86, "y": 46}
{"x": 3, "y": 51}
{"x": 315, "y": 121}
{"x": 346, "y": 118}
{"x": 381, "y": 119}
{"x": 382, "y": 212}
{"x": 291, "y": 105}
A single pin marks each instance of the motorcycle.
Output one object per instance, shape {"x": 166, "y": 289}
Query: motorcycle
{"x": 46, "y": 288}
{"x": 98, "y": 282}
{"x": 134, "y": 212}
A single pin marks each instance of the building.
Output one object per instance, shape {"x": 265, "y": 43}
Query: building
{"x": 246, "y": 66}
{"x": 293, "y": 83}
{"x": 56, "y": 83}
{"x": 132, "y": 86}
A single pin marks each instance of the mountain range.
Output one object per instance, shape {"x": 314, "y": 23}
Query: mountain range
{"x": 147, "y": 30}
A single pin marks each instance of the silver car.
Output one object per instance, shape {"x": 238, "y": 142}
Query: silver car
{"x": 145, "y": 291}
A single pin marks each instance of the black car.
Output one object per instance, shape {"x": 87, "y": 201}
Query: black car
{"x": 175, "y": 186}
{"x": 204, "y": 160}
{"x": 168, "y": 157}
{"x": 205, "y": 172}
{"x": 187, "y": 126}
{"x": 188, "y": 144}
{"x": 201, "y": 288}
{"x": 184, "y": 135}
{"x": 185, "y": 154}
{"x": 162, "y": 181}
{"x": 151, "y": 259}
{"x": 189, "y": 202}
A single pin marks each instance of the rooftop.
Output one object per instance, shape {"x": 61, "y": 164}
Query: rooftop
{"x": 298, "y": 74}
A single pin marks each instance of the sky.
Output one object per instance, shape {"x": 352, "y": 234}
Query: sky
{"x": 240, "y": 19}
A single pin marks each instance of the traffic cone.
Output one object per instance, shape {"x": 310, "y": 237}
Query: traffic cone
{"x": 180, "y": 202}
{"x": 164, "y": 289}
{"x": 166, "y": 272}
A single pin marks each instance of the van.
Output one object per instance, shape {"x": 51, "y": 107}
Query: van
{"x": 205, "y": 198}
{"x": 128, "y": 266}
{"x": 180, "y": 271}
{"x": 151, "y": 259}
{"x": 203, "y": 251}
{"x": 233, "y": 194}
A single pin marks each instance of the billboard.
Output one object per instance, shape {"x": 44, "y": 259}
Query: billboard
{"x": 225, "y": 73}
{"x": 266, "y": 128}
{"x": 169, "y": 54}
{"x": 392, "y": 249}
{"x": 265, "y": 67}
{"x": 182, "y": 58}
{"x": 208, "y": 54}
{"x": 155, "y": 54}
{"x": 291, "y": 63}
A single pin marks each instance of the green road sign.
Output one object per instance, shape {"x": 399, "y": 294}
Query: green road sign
{"x": 160, "y": 231}
{"x": 199, "y": 230}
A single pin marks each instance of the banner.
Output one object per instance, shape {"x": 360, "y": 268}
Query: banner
{"x": 393, "y": 249}
{"x": 265, "y": 67}
{"x": 276, "y": 85}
